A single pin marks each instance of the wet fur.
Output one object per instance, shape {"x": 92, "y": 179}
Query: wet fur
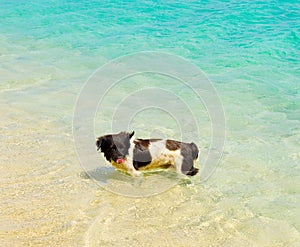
{"x": 146, "y": 154}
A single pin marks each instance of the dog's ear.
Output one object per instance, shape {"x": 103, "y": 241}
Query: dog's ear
{"x": 131, "y": 134}
{"x": 99, "y": 142}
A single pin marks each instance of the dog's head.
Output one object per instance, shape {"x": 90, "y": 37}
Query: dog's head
{"x": 115, "y": 147}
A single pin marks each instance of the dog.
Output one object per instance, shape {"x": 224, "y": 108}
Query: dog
{"x": 134, "y": 155}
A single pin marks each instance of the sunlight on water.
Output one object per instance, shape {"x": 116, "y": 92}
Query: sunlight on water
{"x": 249, "y": 51}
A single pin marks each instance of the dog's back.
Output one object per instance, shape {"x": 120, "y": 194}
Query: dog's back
{"x": 157, "y": 153}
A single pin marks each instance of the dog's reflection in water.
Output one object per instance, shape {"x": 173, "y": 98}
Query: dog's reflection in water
{"x": 108, "y": 175}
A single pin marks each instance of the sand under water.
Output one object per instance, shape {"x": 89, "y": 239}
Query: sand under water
{"x": 249, "y": 53}
{"x": 48, "y": 199}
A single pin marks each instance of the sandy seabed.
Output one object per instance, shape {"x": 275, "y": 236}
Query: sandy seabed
{"x": 46, "y": 199}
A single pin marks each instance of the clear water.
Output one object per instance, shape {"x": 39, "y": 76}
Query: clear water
{"x": 250, "y": 52}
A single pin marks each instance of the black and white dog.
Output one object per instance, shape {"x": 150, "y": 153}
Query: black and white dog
{"x": 133, "y": 155}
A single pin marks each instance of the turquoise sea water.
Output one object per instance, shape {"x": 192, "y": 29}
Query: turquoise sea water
{"x": 250, "y": 52}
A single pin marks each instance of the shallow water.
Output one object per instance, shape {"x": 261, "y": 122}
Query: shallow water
{"x": 250, "y": 53}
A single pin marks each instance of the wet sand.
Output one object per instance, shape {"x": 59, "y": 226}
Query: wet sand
{"x": 47, "y": 199}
